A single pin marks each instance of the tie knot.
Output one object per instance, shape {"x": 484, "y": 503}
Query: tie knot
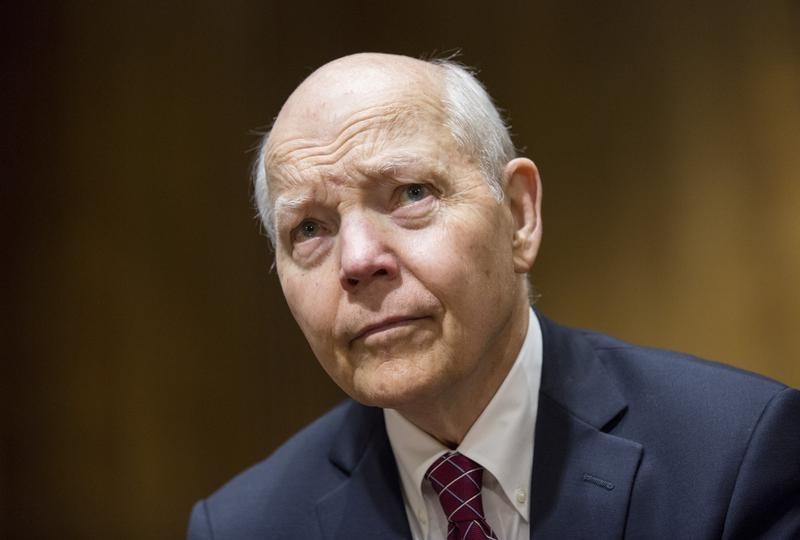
{"x": 457, "y": 480}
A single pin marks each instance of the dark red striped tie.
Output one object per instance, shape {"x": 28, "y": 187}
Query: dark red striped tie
{"x": 457, "y": 480}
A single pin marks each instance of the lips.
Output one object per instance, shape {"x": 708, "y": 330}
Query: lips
{"x": 384, "y": 324}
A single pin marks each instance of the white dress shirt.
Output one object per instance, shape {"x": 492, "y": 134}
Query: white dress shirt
{"x": 501, "y": 440}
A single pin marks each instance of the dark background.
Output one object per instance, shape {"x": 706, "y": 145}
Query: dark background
{"x": 148, "y": 352}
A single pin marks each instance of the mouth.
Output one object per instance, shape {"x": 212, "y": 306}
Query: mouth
{"x": 383, "y": 325}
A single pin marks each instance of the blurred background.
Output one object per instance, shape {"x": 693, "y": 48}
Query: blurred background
{"x": 148, "y": 352}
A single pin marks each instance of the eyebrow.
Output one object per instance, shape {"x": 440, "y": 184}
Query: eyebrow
{"x": 284, "y": 204}
{"x": 382, "y": 168}
{"x": 388, "y": 166}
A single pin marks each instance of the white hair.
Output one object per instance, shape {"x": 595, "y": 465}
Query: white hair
{"x": 475, "y": 122}
{"x": 472, "y": 118}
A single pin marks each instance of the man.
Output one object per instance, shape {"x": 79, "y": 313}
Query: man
{"x": 404, "y": 226}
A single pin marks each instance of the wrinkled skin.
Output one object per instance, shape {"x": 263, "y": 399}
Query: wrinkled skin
{"x": 404, "y": 272}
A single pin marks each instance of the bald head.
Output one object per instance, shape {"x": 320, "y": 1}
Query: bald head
{"x": 337, "y": 96}
{"x": 340, "y": 89}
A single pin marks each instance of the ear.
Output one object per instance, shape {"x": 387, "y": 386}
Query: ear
{"x": 523, "y": 191}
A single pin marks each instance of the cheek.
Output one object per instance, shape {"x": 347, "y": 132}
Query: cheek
{"x": 445, "y": 264}
{"x": 464, "y": 257}
{"x": 434, "y": 259}
{"x": 314, "y": 313}
{"x": 473, "y": 268}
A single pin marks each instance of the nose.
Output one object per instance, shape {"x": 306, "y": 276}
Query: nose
{"x": 365, "y": 256}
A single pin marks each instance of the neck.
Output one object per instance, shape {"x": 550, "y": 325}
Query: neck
{"x": 449, "y": 415}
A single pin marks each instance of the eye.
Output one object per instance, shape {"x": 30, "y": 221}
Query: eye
{"x": 413, "y": 193}
{"x": 307, "y": 229}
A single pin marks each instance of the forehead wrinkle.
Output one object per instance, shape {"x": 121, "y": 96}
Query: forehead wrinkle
{"x": 303, "y": 148}
{"x": 303, "y": 195}
{"x": 387, "y": 116}
{"x": 296, "y": 159}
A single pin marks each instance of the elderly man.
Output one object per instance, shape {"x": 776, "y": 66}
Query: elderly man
{"x": 404, "y": 226}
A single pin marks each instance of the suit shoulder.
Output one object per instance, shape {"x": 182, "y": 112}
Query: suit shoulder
{"x": 692, "y": 401}
{"x": 672, "y": 388}
{"x": 678, "y": 370}
{"x": 724, "y": 435}
{"x": 276, "y": 496}
{"x": 647, "y": 370}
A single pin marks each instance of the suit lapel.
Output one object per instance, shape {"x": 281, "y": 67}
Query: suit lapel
{"x": 582, "y": 474}
{"x": 368, "y": 503}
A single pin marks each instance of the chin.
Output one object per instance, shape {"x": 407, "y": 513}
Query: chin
{"x": 391, "y": 389}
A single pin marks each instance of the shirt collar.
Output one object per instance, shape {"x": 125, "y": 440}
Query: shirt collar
{"x": 501, "y": 439}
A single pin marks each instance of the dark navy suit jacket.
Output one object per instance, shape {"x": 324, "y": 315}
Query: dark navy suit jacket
{"x": 630, "y": 442}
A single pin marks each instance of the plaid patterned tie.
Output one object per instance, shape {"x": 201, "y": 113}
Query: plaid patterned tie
{"x": 457, "y": 480}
